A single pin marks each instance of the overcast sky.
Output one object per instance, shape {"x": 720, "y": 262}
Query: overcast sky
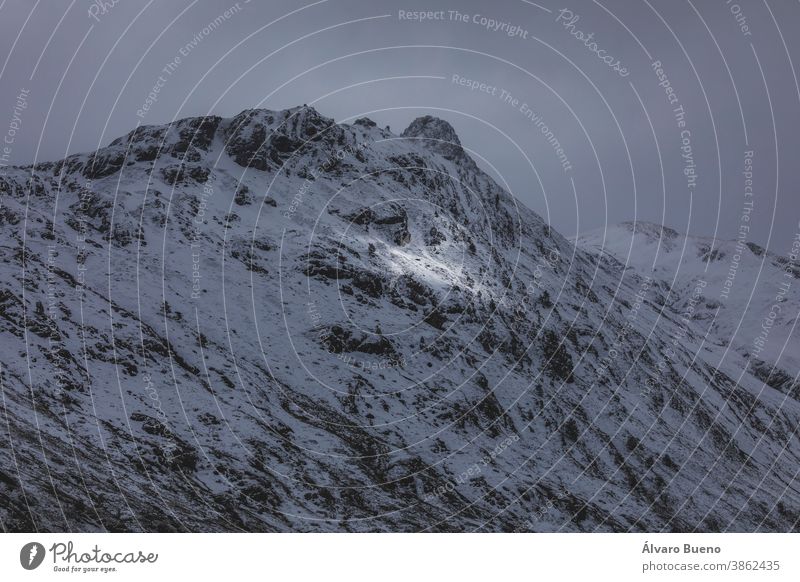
{"x": 85, "y": 71}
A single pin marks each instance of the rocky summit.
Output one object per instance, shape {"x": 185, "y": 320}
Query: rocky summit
{"x": 276, "y": 322}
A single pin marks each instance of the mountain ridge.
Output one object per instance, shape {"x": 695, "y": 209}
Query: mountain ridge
{"x": 274, "y": 322}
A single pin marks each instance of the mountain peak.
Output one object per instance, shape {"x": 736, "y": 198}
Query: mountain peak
{"x": 437, "y": 134}
{"x": 432, "y": 127}
{"x": 488, "y": 329}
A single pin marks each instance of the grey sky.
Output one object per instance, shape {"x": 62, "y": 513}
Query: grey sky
{"x": 88, "y": 76}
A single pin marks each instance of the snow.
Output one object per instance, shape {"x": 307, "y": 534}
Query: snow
{"x": 313, "y": 372}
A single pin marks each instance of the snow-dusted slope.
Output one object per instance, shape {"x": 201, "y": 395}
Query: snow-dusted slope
{"x": 277, "y": 322}
{"x": 746, "y": 297}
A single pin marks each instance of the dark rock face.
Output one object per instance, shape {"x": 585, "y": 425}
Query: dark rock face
{"x": 265, "y": 140}
{"x": 247, "y": 142}
{"x": 176, "y": 174}
{"x": 100, "y": 166}
{"x": 391, "y": 220}
{"x": 365, "y": 121}
{"x": 338, "y": 340}
{"x": 187, "y": 140}
{"x": 436, "y": 134}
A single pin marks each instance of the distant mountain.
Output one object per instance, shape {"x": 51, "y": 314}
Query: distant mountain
{"x": 279, "y": 323}
{"x": 746, "y": 297}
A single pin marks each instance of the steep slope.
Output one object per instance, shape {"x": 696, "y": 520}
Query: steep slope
{"x": 746, "y": 297}
{"x": 276, "y": 322}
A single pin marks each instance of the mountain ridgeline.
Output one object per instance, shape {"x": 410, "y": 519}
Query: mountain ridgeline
{"x": 275, "y": 322}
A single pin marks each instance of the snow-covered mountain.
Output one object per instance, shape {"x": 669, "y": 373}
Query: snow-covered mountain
{"x": 746, "y": 297}
{"x": 276, "y": 322}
